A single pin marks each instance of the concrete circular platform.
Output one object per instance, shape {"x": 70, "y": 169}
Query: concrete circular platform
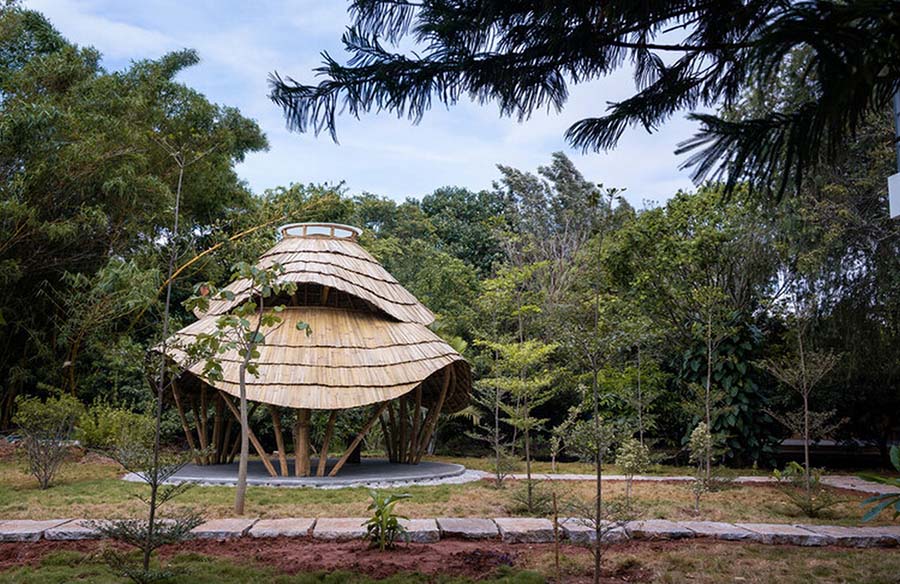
{"x": 369, "y": 472}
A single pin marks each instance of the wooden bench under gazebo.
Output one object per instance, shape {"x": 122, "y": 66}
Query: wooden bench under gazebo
{"x": 370, "y": 348}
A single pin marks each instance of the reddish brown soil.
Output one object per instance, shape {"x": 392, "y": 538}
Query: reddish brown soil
{"x": 291, "y": 555}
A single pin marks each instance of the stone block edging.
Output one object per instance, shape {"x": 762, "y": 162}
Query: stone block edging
{"x": 506, "y": 529}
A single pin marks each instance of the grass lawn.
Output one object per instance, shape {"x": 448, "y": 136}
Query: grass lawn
{"x": 670, "y": 563}
{"x": 92, "y": 489}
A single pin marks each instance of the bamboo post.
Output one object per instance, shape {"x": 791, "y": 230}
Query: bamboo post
{"x": 417, "y": 418}
{"x": 387, "y": 439}
{"x": 217, "y": 430}
{"x": 433, "y": 413}
{"x": 279, "y": 440}
{"x": 184, "y": 423}
{"x": 256, "y": 445}
{"x": 358, "y": 439}
{"x": 323, "y": 453}
{"x": 391, "y": 437}
{"x": 301, "y": 443}
{"x": 204, "y": 422}
{"x": 200, "y": 436}
{"x": 401, "y": 455}
{"x": 237, "y": 437}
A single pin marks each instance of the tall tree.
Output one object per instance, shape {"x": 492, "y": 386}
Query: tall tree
{"x": 524, "y": 56}
{"x": 86, "y": 179}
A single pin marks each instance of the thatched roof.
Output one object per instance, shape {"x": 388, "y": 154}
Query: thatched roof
{"x": 338, "y": 263}
{"x": 353, "y": 358}
{"x": 368, "y": 343}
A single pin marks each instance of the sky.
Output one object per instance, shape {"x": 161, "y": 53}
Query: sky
{"x": 240, "y": 43}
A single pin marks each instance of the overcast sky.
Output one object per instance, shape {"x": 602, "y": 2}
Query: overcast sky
{"x": 240, "y": 43}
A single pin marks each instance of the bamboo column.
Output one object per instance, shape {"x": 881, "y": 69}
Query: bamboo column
{"x": 323, "y": 453}
{"x": 401, "y": 456}
{"x": 433, "y": 413}
{"x": 217, "y": 430}
{"x": 179, "y": 405}
{"x": 279, "y": 440}
{"x": 253, "y": 440}
{"x": 358, "y": 439}
{"x": 417, "y": 417}
{"x": 301, "y": 443}
{"x": 201, "y": 436}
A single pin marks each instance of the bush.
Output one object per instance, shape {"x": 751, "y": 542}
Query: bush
{"x": 105, "y": 427}
{"x": 47, "y": 427}
{"x": 633, "y": 458}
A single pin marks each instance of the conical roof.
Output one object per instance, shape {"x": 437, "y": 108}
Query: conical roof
{"x": 353, "y": 358}
{"x": 335, "y": 261}
{"x": 369, "y": 341}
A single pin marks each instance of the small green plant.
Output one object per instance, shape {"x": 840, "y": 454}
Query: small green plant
{"x": 384, "y": 528}
{"x": 47, "y": 426}
{"x": 888, "y": 500}
{"x": 541, "y": 499}
{"x": 803, "y": 490}
{"x": 634, "y": 458}
{"x": 700, "y": 445}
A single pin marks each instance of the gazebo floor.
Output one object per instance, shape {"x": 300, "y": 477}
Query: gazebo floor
{"x": 370, "y": 471}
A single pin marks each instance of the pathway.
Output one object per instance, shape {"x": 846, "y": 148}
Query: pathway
{"x": 850, "y": 483}
{"x": 506, "y": 529}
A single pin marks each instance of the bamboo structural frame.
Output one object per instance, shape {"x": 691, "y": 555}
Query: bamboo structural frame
{"x": 370, "y": 346}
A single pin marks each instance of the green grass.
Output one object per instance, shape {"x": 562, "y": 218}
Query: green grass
{"x": 712, "y": 563}
{"x": 193, "y": 568}
{"x": 94, "y": 490}
{"x": 703, "y": 563}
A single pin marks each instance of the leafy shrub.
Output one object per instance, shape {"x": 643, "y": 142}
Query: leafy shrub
{"x": 811, "y": 497}
{"x": 47, "y": 427}
{"x": 881, "y": 502}
{"x": 699, "y": 444}
{"x": 383, "y": 528}
{"x": 104, "y": 427}
{"x": 633, "y": 458}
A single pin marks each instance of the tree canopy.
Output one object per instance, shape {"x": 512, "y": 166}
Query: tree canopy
{"x": 405, "y": 55}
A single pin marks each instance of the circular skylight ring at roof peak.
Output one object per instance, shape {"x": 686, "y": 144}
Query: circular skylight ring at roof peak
{"x": 321, "y": 230}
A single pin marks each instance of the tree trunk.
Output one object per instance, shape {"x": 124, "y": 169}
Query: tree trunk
{"x": 240, "y": 492}
{"x": 708, "y": 391}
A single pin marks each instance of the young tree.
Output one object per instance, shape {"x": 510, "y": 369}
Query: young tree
{"x": 633, "y": 457}
{"x": 521, "y": 371}
{"x": 802, "y": 373}
{"x": 699, "y": 446}
{"x": 242, "y": 330}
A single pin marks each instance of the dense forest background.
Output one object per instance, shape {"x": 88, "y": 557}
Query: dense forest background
{"x": 546, "y": 260}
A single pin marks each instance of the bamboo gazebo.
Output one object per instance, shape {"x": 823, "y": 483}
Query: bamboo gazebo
{"x": 370, "y": 346}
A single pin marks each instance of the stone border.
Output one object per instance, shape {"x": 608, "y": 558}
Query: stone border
{"x": 507, "y": 529}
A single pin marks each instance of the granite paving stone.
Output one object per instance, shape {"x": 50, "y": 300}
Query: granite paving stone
{"x": 581, "y": 532}
{"x": 289, "y": 527}
{"x": 525, "y": 529}
{"x": 340, "y": 528}
{"x": 72, "y": 530}
{"x": 467, "y": 527}
{"x": 717, "y": 530}
{"x": 853, "y": 536}
{"x": 27, "y": 529}
{"x": 223, "y": 528}
{"x": 657, "y": 529}
{"x": 773, "y": 533}
{"x": 421, "y": 530}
